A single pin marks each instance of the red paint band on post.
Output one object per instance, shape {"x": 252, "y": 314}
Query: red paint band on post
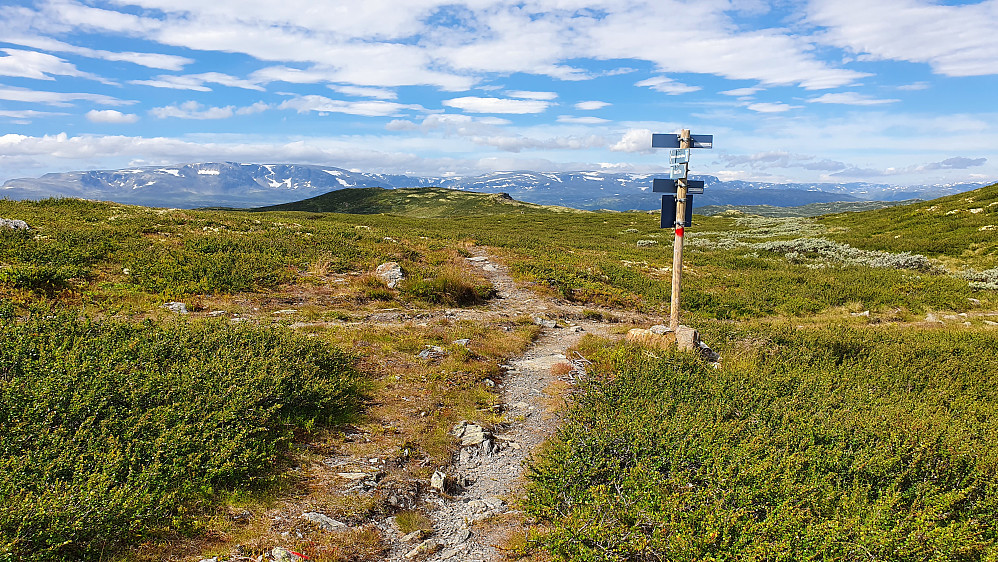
{"x": 679, "y": 231}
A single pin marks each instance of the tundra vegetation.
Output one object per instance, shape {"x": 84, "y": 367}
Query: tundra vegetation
{"x": 853, "y": 415}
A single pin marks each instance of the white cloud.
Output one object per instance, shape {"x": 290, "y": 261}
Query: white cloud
{"x": 370, "y": 108}
{"x": 196, "y": 82}
{"x": 372, "y": 43}
{"x": 401, "y": 125}
{"x": 634, "y": 140}
{"x": 591, "y": 105}
{"x": 193, "y": 110}
{"x": 366, "y": 92}
{"x": 914, "y": 86}
{"x": 61, "y": 99}
{"x": 667, "y": 85}
{"x": 582, "y": 120}
{"x": 497, "y": 105}
{"x": 27, "y": 114}
{"x": 770, "y": 107}
{"x": 149, "y": 60}
{"x": 110, "y": 116}
{"x": 740, "y": 92}
{"x": 116, "y": 151}
{"x": 641, "y": 30}
{"x": 39, "y": 66}
{"x": 522, "y": 94}
{"x": 953, "y": 40}
{"x": 850, "y": 98}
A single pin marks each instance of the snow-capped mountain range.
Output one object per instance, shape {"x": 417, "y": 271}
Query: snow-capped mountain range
{"x": 230, "y": 184}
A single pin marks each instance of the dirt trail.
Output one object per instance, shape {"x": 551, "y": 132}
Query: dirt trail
{"x": 490, "y": 474}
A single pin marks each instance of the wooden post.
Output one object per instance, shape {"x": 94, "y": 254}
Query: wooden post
{"x": 677, "y": 246}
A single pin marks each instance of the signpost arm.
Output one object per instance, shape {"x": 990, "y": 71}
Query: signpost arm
{"x": 677, "y": 247}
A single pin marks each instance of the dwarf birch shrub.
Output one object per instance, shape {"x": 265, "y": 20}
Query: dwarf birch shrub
{"x": 821, "y": 444}
{"x": 112, "y": 432}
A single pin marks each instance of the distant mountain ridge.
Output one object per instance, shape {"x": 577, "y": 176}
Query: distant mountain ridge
{"x": 232, "y": 184}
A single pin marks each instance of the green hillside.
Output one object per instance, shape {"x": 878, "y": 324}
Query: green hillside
{"x": 420, "y": 202}
{"x": 963, "y": 226}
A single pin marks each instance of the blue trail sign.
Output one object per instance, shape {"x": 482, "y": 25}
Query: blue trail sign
{"x": 669, "y": 186}
{"x": 669, "y": 211}
{"x": 677, "y": 207}
{"x": 672, "y": 141}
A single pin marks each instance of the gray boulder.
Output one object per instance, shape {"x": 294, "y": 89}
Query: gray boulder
{"x": 391, "y": 272}
{"x": 13, "y": 224}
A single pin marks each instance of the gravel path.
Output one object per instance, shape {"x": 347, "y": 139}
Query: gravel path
{"x": 485, "y": 476}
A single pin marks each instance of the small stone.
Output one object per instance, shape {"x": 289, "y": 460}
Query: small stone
{"x": 463, "y": 342}
{"x": 427, "y": 547}
{"x": 974, "y": 302}
{"x": 286, "y": 311}
{"x": 279, "y": 554}
{"x": 473, "y": 435}
{"x": 494, "y": 503}
{"x": 448, "y": 554}
{"x": 660, "y": 329}
{"x": 322, "y": 521}
{"x": 352, "y": 475}
{"x": 178, "y": 307}
{"x": 545, "y": 323}
{"x": 865, "y": 313}
{"x": 391, "y": 273}
{"x": 416, "y": 535}
{"x": 519, "y": 405}
{"x": 462, "y": 536}
{"x": 967, "y": 324}
{"x": 431, "y": 351}
{"x": 576, "y": 329}
{"x": 217, "y": 313}
{"x": 478, "y": 259}
{"x": 488, "y": 382}
{"x": 951, "y": 317}
{"x": 686, "y": 338}
{"x": 932, "y": 318}
{"x": 990, "y": 323}
{"x": 489, "y": 267}
{"x": 212, "y": 559}
{"x": 438, "y": 481}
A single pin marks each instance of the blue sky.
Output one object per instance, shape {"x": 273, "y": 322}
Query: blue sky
{"x": 886, "y": 91}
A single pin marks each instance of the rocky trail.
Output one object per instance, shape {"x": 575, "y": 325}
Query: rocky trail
{"x": 471, "y": 502}
{"x": 487, "y": 474}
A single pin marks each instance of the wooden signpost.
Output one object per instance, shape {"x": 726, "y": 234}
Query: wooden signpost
{"x": 677, "y": 209}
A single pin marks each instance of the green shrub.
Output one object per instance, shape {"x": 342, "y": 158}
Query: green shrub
{"x": 41, "y": 278}
{"x": 824, "y": 444}
{"x": 113, "y": 432}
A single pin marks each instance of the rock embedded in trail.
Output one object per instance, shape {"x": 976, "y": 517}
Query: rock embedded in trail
{"x": 425, "y": 548}
{"x": 471, "y": 434}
